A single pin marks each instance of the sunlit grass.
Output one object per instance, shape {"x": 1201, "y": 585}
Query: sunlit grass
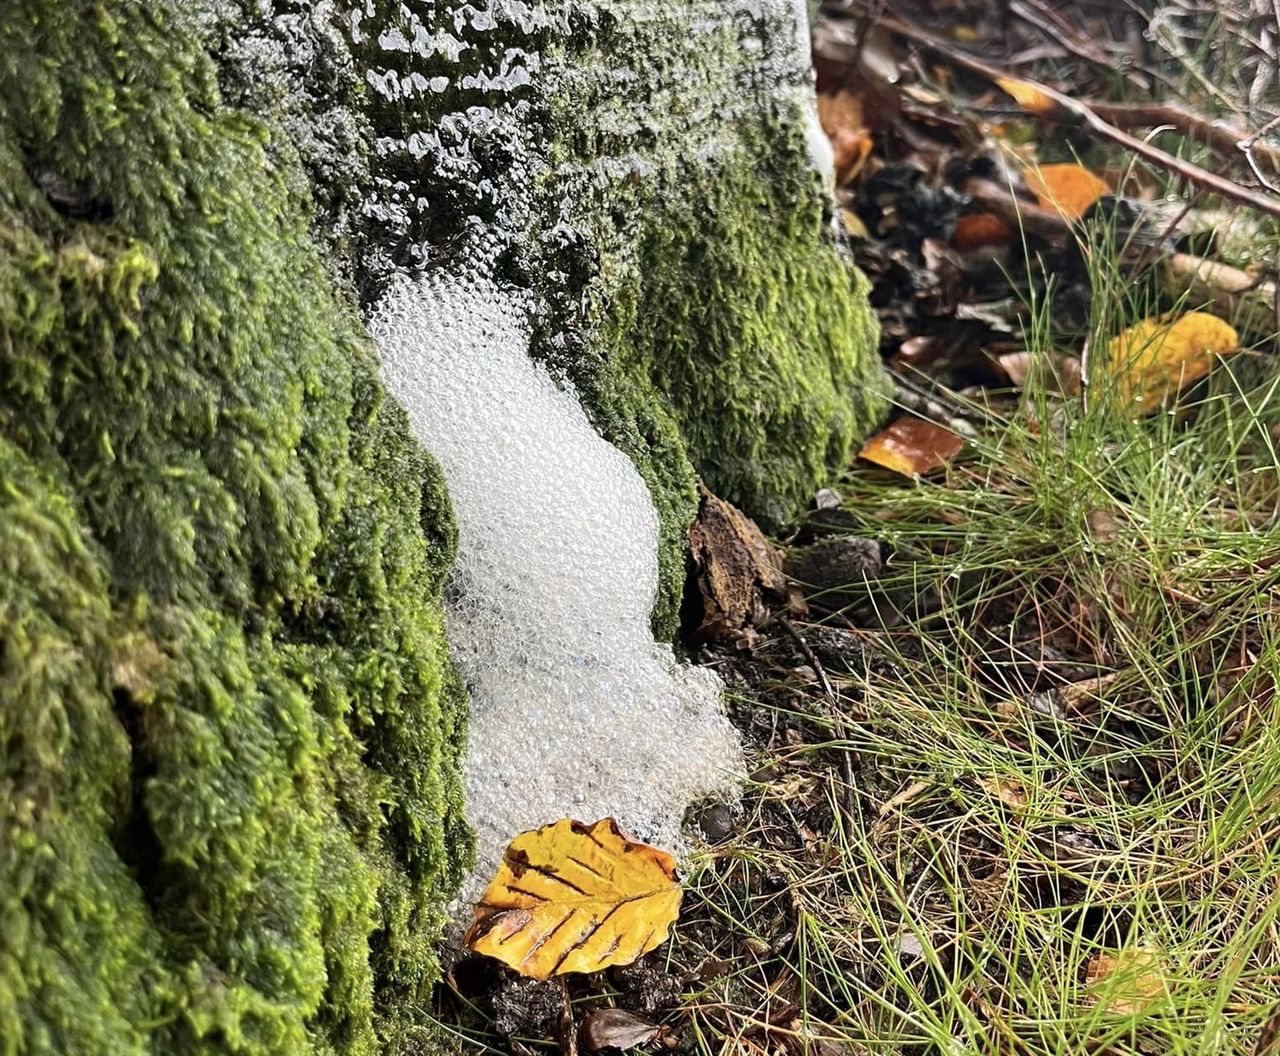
{"x": 1087, "y": 864}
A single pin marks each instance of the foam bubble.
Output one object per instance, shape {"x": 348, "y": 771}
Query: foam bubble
{"x": 576, "y": 711}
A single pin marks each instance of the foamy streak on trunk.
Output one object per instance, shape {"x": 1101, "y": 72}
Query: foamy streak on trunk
{"x": 576, "y": 711}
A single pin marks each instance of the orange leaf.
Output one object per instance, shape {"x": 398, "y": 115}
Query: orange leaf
{"x": 1029, "y": 96}
{"x": 843, "y": 110}
{"x": 980, "y": 229}
{"x": 1128, "y": 980}
{"x": 911, "y": 446}
{"x": 575, "y": 898}
{"x": 1069, "y": 188}
{"x": 1155, "y": 358}
{"x": 844, "y": 122}
{"x": 851, "y": 150}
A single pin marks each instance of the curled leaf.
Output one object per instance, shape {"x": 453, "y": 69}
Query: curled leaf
{"x": 843, "y": 119}
{"x": 1029, "y": 96}
{"x": 737, "y": 573}
{"x": 616, "y": 1028}
{"x": 570, "y": 897}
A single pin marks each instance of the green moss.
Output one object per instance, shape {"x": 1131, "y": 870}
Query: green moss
{"x": 737, "y": 343}
{"x": 229, "y": 737}
{"x": 726, "y": 334}
{"x": 758, "y": 333}
{"x": 676, "y": 240}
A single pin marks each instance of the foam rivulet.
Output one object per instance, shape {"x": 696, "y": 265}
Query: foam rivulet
{"x": 576, "y": 710}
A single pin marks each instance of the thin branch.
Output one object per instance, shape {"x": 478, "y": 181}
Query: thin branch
{"x": 848, "y": 803}
{"x": 1048, "y": 22}
{"x": 1227, "y": 139}
{"x": 998, "y": 200}
{"x": 1065, "y": 110}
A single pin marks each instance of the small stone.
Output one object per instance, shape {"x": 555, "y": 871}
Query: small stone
{"x": 835, "y": 571}
{"x": 827, "y": 499}
{"x": 716, "y": 823}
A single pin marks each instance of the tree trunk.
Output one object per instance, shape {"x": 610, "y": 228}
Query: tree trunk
{"x": 229, "y": 730}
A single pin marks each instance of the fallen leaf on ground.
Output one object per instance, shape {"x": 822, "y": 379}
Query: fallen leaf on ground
{"x": 1029, "y": 96}
{"x": 1101, "y": 525}
{"x": 1155, "y": 358}
{"x": 853, "y": 225}
{"x": 1128, "y": 980}
{"x": 1016, "y": 367}
{"x": 975, "y": 230}
{"x": 1070, "y": 188}
{"x": 1010, "y": 793}
{"x": 902, "y": 798}
{"x": 616, "y": 1028}
{"x": 569, "y": 897}
{"x": 911, "y": 446}
{"x": 738, "y": 574}
{"x": 844, "y": 122}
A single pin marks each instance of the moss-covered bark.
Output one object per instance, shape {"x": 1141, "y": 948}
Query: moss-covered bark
{"x": 228, "y": 729}
{"x": 229, "y": 733}
{"x": 641, "y": 170}
{"x": 723, "y": 330}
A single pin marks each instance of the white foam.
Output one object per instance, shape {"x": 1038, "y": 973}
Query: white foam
{"x": 576, "y": 711}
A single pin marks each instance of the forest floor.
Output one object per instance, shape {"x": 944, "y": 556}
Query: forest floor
{"x": 1015, "y": 756}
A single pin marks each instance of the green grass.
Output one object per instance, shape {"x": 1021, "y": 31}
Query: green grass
{"x": 1004, "y": 833}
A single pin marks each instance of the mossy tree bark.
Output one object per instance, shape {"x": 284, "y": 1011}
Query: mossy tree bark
{"x": 643, "y": 171}
{"x": 229, "y": 732}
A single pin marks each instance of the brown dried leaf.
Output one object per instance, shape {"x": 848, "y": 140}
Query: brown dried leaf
{"x": 975, "y": 230}
{"x": 912, "y": 446}
{"x": 570, "y": 897}
{"x": 616, "y": 1028}
{"x": 738, "y": 574}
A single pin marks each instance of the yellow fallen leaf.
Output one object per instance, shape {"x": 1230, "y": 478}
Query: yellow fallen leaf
{"x": 1128, "y": 980}
{"x": 1069, "y": 188}
{"x": 1155, "y": 358}
{"x": 570, "y": 897}
{"x": 853, "y": 224}
{"x": 1029, "y": 96}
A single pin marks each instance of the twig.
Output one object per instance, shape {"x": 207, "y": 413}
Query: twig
{"x": 996, "y": 198}
{"x": 1166, "y": 233}
{"x": 1248, "y": 299}
{"x": 1054, "y": 106}
{"x": 1056, "y": 29}
{"x": 569, "y": 1033}
{"x": 1227, "y": 139}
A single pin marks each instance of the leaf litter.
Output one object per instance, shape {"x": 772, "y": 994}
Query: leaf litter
{"x": 955, "y": 837}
